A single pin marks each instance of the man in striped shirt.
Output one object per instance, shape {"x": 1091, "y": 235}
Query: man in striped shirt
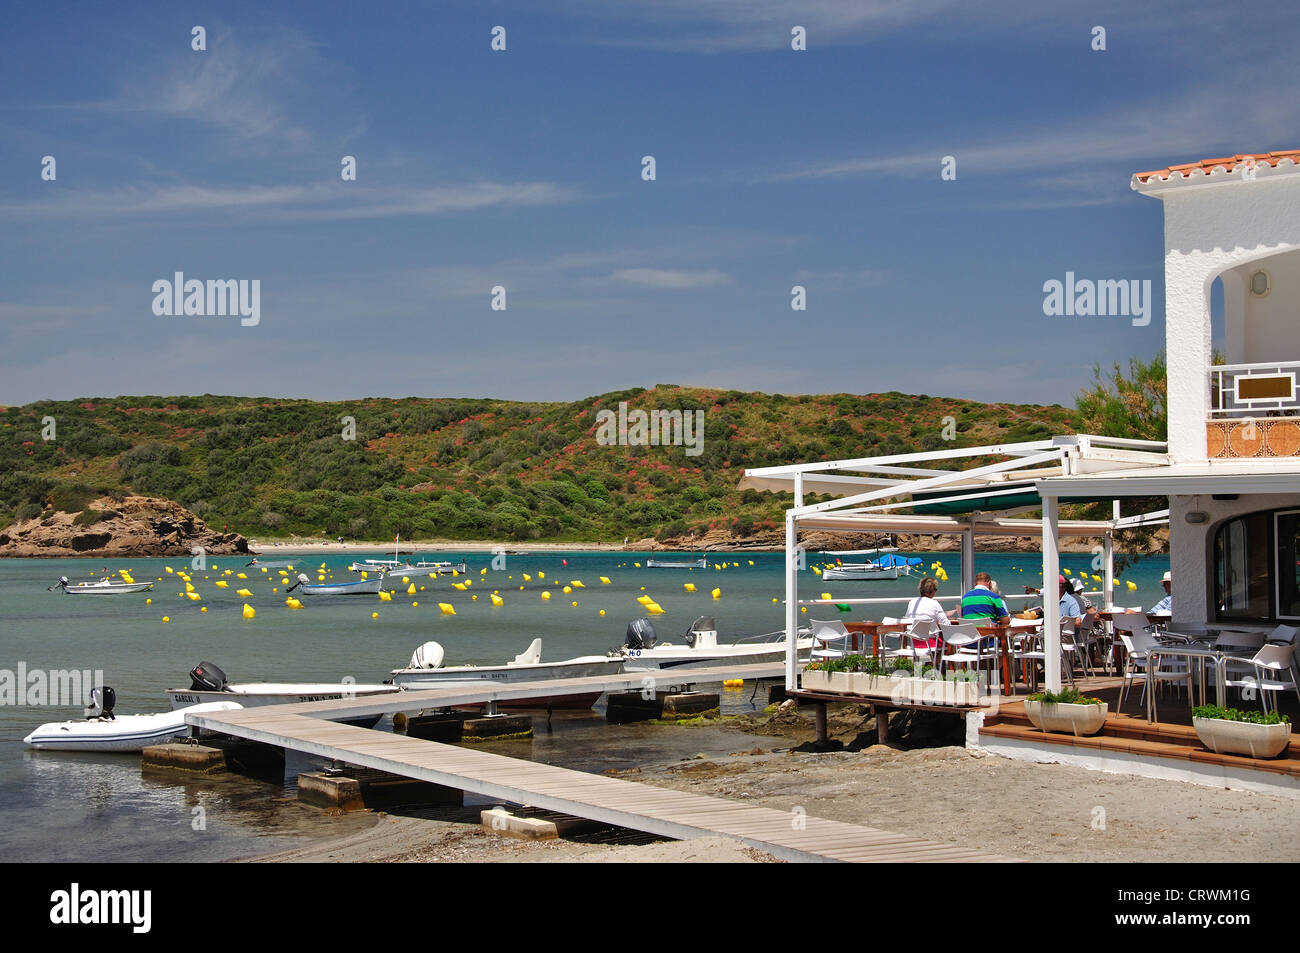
{"x": 982, "y": 604}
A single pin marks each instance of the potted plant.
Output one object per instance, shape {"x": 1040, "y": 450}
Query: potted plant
{"x": 1067, "y": 712}
{"x": 816, "y": 676}
{"x": 830, "y": 675}
{"x": 1230, "y": 731}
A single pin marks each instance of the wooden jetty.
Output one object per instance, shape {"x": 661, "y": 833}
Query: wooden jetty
{"x": 787, "y": 835}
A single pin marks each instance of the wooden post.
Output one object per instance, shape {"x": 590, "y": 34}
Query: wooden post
{"x": 820, "y": 716}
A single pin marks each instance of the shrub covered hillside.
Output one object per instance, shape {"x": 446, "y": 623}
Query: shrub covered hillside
{"x": 463, "y": 468}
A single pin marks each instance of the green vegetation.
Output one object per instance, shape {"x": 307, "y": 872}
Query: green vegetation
{"x": 1235, "y": 714}
{"x": 1069, "y": 696}
{"x": 464, "y": 468}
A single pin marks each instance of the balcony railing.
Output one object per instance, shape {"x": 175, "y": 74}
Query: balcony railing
{"x": 1255, "y": 390}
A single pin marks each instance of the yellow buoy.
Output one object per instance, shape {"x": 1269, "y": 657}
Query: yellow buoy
{"x": 406, "y": 580}
{"x": 577, "y": 584}
{"x": 203, "y": 608}
{"x": 546, "y": 596}
{"x": 249, "y": 611}
{"x": 222, "y": 584}
{"x": 497, "y": 600}
{"x": 416, "y": 605}
{"x": 374, "y": 615}
{"x": 604, "y": 580}
{"x": 717, "y": 593}
{"x": 688, "y": 586}
{"x": 540, "y": 574}
{"x": 447, "y": 608}
{"x": 826, "y": 596}
{"x": 527, "y": 578}
{"x": 148, "y": 602}
{"x": 243, "y": 592}
{"x": 166, "y": 618}
{"x": 240, "y": 575}
{"x": 567, "y": 590}
{"x": 574, "y": 604}
{"x": 654, "y": 608}
{"x": 194, "y": 596}
{"x": 410, "y": 590}
{"x": 602, "y": 611}
{"x": 386, "y": 597}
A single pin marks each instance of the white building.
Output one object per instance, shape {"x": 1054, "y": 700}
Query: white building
{"x": 1231, "y": 469}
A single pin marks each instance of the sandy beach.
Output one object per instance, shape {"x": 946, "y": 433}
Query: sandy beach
{"x": 1031, "y": 812}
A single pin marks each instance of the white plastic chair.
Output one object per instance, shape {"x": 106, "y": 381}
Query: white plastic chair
{"x": 1274, "y": 658}
{"x": 921, "y": 643}
{"x": 965, "y": 638}
{"x": 829, "y": 639}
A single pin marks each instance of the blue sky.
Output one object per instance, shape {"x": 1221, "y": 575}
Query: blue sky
{"x": 479, "y": 168}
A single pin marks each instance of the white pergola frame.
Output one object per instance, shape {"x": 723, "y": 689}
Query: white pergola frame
{"x": 890, "y": 481}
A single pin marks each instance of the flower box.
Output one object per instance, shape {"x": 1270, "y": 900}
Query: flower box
{"x": 815, "y": 680}
{"x": 1242, "y": 737}
{"x": 936, "y": 691}
{"x": 1067, "y": 719}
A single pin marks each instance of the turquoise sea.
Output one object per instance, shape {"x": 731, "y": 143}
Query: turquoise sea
{"x": 59, "y": 806}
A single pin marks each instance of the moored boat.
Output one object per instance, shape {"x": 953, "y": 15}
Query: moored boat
{"x": 208, "y": 684}
{"x": 101, "y": 730}
{"x": 425, "y": 670}
{"x": 104, "y": 587}
{"x": 642, "y": 650}
{"x": 361, "y": 587}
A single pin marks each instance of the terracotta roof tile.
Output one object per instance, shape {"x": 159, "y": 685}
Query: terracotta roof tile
{"x": 1226, "y": 164}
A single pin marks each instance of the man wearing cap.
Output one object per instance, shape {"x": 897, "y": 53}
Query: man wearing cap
{"x": 1070, "y": 608}
{"x": 1165, "y": 605}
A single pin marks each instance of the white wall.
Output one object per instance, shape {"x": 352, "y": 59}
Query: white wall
{"x": 1209, "y": 230}
{"x": 1191, "y": 549}
{"x": 1267, "y": 328}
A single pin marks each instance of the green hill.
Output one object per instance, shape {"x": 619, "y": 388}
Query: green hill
{"x": 464, "y": 468}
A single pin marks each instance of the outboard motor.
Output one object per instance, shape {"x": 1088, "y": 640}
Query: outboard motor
{"x": 206, "y": 677}
{"x": 428, "y": 655}
{"x": 102, "y": 702}
{"x": 61, "y": 584}
{"x": 640, "y": 635}
{"x": 302, "y": 578}
{"x": 703, "y": 633}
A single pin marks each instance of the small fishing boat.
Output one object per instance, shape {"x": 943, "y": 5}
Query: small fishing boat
{"x": 361, "y": 587}
{"x": 271, "y": 563}
{"x": 642, "y": 650}
{"x": 887, "y": 566}
{"x": 208, "y": 684}
{"x": 424, "y": 569}
{"x": 104, "y": 587}
{"x": 425, "y": 670}
{"x": 101, "y": 730}
{"x": 701, "y": 563}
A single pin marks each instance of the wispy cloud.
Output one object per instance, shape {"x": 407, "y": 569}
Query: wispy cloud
{"x": 669, "y": 279}
{"x": 292, "y": 202}
{"x": 266, "y": 87}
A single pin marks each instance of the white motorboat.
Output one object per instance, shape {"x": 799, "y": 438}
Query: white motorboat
{"x": 104, "y": 587}
{"x": 642, "y": 650}
{"x": 101, "y": 730}
{"x": 361, "y": 587}
{"x": 425, "y": 670}
{"x": 423, "y": 568}
{"x": 208, "y": 684}
{"x": 701, "y": 563}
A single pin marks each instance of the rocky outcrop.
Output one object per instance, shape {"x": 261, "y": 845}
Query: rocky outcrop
{"x": 134, "y": 526}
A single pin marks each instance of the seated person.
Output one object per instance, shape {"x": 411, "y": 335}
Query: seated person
{"x": 982, "y": 604}
{"x": 1166, "y": 604}
{"x": 1070, "y": 608}
{"x": 926, "y": 606}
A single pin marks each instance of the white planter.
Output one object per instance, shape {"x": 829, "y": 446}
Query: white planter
{"x": 1067, "y": 719}
{"x": 1242, "y": 737}
{"x": 818, "y": 681}
{"x": 815, "y": 681}
{"x": 935, "y": 691}
{"x": 878, "y": 686}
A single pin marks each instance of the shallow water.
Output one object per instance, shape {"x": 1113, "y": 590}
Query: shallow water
{"x": 66, "y": 806}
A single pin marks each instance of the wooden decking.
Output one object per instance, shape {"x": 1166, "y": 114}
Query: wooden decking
{"x": 787, "y": 835}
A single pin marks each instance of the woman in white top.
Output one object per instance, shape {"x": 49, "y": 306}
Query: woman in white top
{"x": 926, "y": 606}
